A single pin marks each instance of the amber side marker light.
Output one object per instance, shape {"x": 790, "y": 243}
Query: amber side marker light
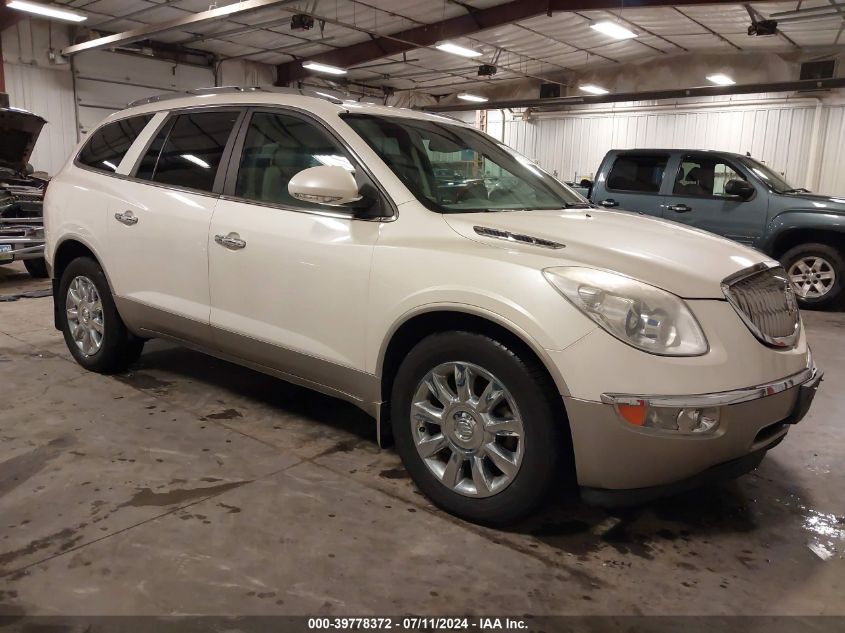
{"x": 633, "y": 413}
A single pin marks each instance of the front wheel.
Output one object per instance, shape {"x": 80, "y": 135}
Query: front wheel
{"x": 475, "y": 427}
{"x": 94, "y": 332}
{"x": 816, "y": 272}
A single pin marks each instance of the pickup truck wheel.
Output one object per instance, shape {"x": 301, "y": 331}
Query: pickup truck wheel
{"x": 94, "y": 332}
{"x": 816, "y": 272}
{"x": 36, "y": 268}
{"x": 475, "y": 428}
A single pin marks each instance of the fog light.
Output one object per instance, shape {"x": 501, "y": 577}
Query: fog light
{"x": 691, "y": 421}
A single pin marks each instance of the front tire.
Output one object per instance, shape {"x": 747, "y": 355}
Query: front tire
{"x": 94, "y": 332}
{"x": 816, "y": 272}
{"x": 36, "y": 268}
{"x": 475, "y": 427}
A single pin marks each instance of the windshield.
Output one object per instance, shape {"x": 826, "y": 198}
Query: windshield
{"x": 453, "y": 169}
{"x": 773, "y": 179}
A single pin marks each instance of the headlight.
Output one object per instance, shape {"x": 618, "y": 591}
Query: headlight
{"x": 640, "y": 315}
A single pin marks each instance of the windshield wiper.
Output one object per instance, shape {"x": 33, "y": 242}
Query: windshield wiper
{"x": 796, "y": 190}
{"x": 577, "y": 205}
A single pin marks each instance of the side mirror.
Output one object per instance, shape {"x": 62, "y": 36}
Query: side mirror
{"x": 740, "y": 188}
{"x": 326, "y": 184}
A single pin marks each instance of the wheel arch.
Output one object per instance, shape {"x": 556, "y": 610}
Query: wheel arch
{"x": 415, "y": 326}
{"x": 790, "y": 231}
{"x": 66, "y": 251}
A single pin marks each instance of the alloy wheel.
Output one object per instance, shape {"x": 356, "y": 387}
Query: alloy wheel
{"x": 812, "y": 277}
{"x": 85, "y": 315}
{"x": 467, "y": 429}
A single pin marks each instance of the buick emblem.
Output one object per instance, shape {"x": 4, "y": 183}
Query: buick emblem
{"x": 791, "y": 305}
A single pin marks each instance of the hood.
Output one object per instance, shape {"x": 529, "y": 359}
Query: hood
{"x": 687, "y": 262}
{"x": 19, "y": 130}
{"x": 816, "y": 202}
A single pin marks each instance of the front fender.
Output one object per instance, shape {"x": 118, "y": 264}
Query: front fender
{"x": 800, "y": 219}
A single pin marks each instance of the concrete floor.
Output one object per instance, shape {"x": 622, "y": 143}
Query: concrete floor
{"x": 189, "y": 485}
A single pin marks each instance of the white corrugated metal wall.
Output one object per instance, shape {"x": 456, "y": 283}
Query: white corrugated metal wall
{"x": 780, "y": 132}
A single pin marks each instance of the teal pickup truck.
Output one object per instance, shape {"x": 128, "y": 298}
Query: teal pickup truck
{"x": 740, "y": 198}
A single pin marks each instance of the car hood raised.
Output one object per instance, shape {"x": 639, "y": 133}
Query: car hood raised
{"x": 19, "y": 130}
{"x": 687, "y": 262}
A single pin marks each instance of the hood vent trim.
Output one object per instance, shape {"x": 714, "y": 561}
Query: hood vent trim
{"x": 519, "y": 238}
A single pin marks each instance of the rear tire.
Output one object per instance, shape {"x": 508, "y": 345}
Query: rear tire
{"x": 94, "y": 332}
{"x": 522, "y": 425}
{"x": 817, "y": 272}
{"x": 36, "y": 268}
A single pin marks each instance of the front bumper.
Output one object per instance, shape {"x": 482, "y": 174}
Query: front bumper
{"x": 619, "y": 464}
{"x": 20, "y": 241}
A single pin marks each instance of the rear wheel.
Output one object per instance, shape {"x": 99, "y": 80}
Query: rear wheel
{"x": 475, "y": 427}
{"x": 816, "y": 272}
{"x": 94, "y": 332}
{"x": 36, "y": 268}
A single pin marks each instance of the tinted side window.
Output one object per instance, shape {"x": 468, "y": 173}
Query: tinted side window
{"x": 276, "y": 148}
{"x": 638, "y": 172}
{"x": 191, "y": 153}
{"x": 704, "y": 177}
{"x": 109, "y": 144}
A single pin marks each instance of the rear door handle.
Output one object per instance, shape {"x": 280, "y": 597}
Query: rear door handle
{"x": 127, "y": 217}
{"x": 232, "y": 241}
{"x": 679, "y": 208}
{"x": 609, "y": 202}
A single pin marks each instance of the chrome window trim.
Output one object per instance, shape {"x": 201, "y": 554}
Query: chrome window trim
{"x": 778, "y": 342}
{"x": 719, "y": 399}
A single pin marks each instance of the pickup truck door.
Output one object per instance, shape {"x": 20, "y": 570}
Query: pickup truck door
{"x": 632, "y": 181}
{"x": 697, "y": 197}
{"x": 289, "y": 280}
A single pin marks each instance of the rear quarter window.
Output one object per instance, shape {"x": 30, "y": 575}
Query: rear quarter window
{"x": 108, "y": 145}
{"x": 641, "y": 173}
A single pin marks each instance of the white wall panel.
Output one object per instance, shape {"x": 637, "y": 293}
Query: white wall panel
{"x": 106, "y": 82}
{"x": 780, "y": 134}
{"x": 48, "y": 93}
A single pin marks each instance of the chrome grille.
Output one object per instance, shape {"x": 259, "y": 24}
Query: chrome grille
{"x": 765, "y": 301}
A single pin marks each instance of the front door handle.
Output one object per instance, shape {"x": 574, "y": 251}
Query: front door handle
{"x": 232, "y": 241}
{"x": 127, "y": 217}
{"x": 679, "y": 208}
{"x": 609, "y": 202}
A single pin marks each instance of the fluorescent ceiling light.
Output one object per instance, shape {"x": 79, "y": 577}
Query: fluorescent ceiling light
{"x": 195, "y": 160}
{"x": 720, "y": 79}
{"x": 323, "y": 68}
{"x": 613, "y": 29}
{"x": 46, "y": 10}
{"x": 593, "y": 89}
{"x": 468, "y": 97}
{"x": 110, "y": 165}
{"x": 454, "y": 49}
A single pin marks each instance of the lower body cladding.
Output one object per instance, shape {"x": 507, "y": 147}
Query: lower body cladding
{"x": 631, "y": 449}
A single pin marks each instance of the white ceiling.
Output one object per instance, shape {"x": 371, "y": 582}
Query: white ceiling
{"x": 539, "y": 47}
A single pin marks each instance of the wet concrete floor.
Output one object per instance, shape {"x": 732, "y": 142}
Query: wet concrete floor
{"x": 189, "y": 485}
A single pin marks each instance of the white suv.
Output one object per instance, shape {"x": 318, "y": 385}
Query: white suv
{"x": 510, "y": 337}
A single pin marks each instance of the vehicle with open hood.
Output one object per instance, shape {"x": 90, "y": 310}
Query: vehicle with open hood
{"x": 510, "y": 337}
{"x": 21, "y": 192}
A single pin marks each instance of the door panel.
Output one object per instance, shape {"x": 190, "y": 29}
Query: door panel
{"x": 158, "y": 229}
{"x": 289, "y": 279}
{"x": 698, "y": 199}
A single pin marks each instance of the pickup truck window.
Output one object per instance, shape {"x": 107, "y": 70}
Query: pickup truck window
{"x": 109, "y": 144}
{"x": 642, "y": 173}
{"x": 454, "y": 169}
{"x": 774, "y": 180}
{"x": 698, "y": 176}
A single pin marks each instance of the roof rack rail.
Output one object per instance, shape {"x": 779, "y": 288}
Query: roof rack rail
{"x": 167, "y": 96}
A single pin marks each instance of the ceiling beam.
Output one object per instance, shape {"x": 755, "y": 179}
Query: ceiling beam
{"x": 466, "y": 24}
{"x": 151, "y": 30}
{"x": 561, "y": 103}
